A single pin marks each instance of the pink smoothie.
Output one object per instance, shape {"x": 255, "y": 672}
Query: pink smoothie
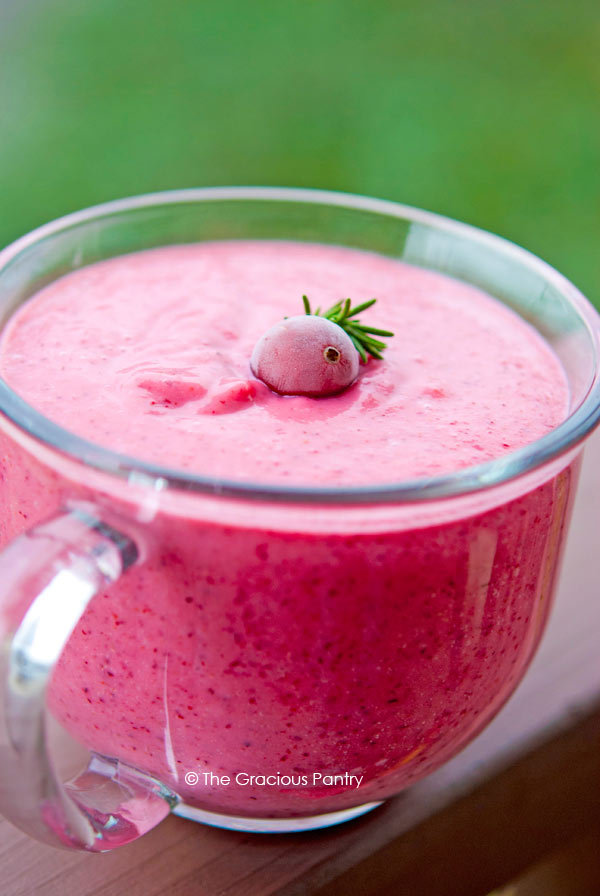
{"x": 247, "y": 647}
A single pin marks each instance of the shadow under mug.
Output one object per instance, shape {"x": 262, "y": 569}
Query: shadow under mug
{"x": 260, "y": 657}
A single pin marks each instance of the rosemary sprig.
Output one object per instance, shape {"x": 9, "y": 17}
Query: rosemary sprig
{"x": 344, "y": 315}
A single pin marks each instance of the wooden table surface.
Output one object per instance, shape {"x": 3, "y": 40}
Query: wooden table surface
{"x": 529, "y": 784}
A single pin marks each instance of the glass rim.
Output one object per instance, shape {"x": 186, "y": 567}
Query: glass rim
{"x": 573, "y": 430}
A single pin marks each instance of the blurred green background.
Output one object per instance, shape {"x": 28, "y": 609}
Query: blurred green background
{"x": 484, "y": 111}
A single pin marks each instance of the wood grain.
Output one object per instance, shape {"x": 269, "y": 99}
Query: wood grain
{"x": 528, "y": 784}
{"x": 573, "y": 870}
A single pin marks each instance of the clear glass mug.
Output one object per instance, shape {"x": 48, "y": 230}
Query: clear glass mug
{"x": 259, "y": 657}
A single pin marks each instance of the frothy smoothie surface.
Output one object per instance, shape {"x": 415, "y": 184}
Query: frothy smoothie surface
{"x": 148, "y": 354}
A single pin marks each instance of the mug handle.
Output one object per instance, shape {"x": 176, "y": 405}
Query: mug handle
{"x": 47, "y": 578}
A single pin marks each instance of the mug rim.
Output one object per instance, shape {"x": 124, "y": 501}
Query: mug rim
{"x": 568, "y": 434}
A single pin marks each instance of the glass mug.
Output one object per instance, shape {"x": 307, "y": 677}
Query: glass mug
{"x": 261, "y": 657}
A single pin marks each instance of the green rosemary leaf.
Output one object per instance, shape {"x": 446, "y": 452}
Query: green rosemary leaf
{"x": 359, "y": 348}
{"x": 331, "y": 312}
{"x": 362, "y": 307}
{"x": 362, "y": 337}
{"x": 344, "y": 315}
{"x": 373, "y": 330}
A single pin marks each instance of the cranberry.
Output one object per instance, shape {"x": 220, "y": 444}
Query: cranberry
{"x": 305, "y": 355}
